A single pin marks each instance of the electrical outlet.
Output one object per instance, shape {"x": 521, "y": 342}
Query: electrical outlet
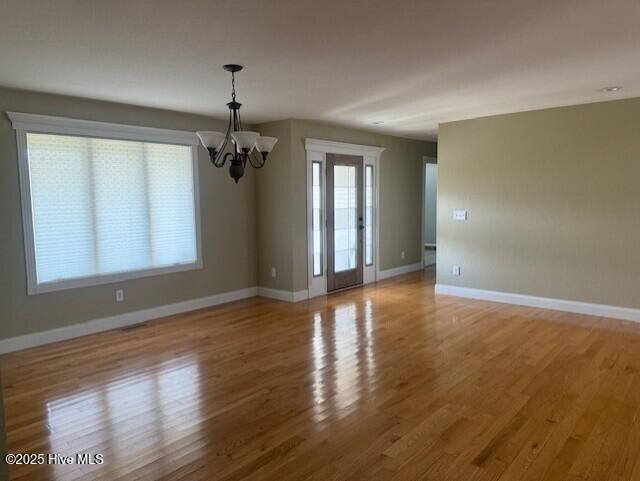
{"x": 455, "y": 271}
{"x": 402, "y": 255}
{"x": 273, "y": 272}
{"x": 119, "y": 295}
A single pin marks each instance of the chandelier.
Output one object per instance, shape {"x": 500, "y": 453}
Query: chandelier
{"x": 247, "y": 146}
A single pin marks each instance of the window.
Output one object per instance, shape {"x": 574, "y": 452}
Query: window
{"x": 316, "y": 183}
{"x": 102, "y": 210}
{"x": 368, "y": 215}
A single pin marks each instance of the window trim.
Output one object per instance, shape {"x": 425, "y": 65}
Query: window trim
{"x": 24, "y": 123}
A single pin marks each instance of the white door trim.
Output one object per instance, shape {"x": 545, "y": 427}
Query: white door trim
{"x": 329, "y": 146}
{"x": 317, "y": 151}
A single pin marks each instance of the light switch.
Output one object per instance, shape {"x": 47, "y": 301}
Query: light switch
{"x": 460, "y": 215}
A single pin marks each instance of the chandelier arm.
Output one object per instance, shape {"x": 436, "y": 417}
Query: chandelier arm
{"x": 256, "y": 162}
{"x": 235, "y": 119}
{"x": 228, "y": 156}
{"x": 221, "y": 159}
{"x": 239, "y": 121}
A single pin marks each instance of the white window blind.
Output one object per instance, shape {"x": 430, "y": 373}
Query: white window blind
{"x": 102, "y": 207}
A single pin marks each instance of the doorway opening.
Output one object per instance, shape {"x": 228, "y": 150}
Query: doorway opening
{"x": 429, "y": 211}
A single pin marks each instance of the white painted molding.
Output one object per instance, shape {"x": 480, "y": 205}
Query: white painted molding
{"x": 280, "y": 295}
{"x": 601, "y": 310}
{"x": 317, "y": 150}
{"x": 398, "y": 271}
{"x": 24, "y": 123}
{"x": 135, "y": 317}
{"x": 121, "y": 320}
{"x": 91, "y": 128}
{"x": 329, "y": 146}
{"x": 301, "y": 295}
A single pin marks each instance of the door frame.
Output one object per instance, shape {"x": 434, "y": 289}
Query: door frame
{"x": 425, "y": 160}
{"x": 316, "y": 152}
{"x": 346, "y": 278}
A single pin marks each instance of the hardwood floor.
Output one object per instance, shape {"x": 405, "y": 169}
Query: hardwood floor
{"x": 387, "y": 382}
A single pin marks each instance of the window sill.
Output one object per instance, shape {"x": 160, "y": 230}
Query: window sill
{"x": 110, "y": 278}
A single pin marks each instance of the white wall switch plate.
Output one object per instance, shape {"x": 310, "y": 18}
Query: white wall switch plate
{"x": 402, "y": 255}
{"x": 460, "y": 215}
{"x": 455, "y": 271}
{"x": 273, "y": 272}
{"x": 119, "y": 295}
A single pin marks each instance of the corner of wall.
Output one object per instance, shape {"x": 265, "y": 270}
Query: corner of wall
{"x": 274, "y": 204}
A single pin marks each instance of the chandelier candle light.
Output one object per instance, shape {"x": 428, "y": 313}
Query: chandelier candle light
{"x": 247, "y": 146}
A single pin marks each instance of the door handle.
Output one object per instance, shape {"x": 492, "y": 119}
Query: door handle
{"x": 360, "y": 224}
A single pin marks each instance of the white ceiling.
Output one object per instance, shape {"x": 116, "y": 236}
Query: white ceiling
{"x": 411, "y": 64}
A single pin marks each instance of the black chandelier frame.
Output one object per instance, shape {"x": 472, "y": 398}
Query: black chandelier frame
{"x": 238, "y": 158}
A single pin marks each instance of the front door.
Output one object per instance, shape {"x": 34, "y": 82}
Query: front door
{"x": 345, "y": 224}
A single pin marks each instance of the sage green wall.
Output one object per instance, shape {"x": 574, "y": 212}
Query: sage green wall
{"x": 268, "y": 205}
{"x": 227, "y": 214}
{"x": 552, "y": 199}
{"x": 275, "y": 199}
{"x": 400, "y": 199}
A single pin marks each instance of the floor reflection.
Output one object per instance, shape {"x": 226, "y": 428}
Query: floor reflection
{"x": 370, "y": 359}
{"x": 319, "y": 364}
{"x": 343, "y": 355}
{"x": 346, "y": 349}
{"x": 127, "y": 418}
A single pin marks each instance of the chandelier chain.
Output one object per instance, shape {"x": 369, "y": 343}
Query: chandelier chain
{"x": 233, "y": 86}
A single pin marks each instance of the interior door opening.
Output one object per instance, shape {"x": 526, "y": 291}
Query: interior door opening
{"x": 430, "y": 212}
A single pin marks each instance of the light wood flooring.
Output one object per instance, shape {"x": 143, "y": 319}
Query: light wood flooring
{"x": 386, "y": 382}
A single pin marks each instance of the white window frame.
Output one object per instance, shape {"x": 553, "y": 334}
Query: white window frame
{"x": 24, "y": 123}
{"x": 317, "y": 151}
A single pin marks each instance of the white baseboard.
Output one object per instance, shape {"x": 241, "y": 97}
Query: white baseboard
{"x": 302, "y": 295}
{"x": 601, "y": 310}
{"x": 397, "y": 271}
{"x": 120, "y": 320}
{"x": 287, "y": 296}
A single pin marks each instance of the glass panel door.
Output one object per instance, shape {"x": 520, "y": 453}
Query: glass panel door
{"x": 345, "y": 212}
{"x": 345, "y": 221}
